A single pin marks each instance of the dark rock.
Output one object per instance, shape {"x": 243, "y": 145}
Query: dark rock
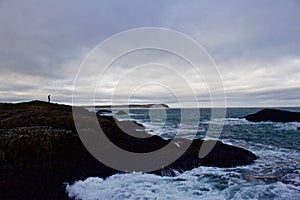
{"x": 274, "y": 115}
{"x": 298, "y": 128}
{"x": 103, "y": 111}
{"x": 40, "y": 150}
{"x": 121, "y": 112}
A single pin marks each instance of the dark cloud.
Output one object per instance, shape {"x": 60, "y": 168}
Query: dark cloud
{"x": 42, "y": 43}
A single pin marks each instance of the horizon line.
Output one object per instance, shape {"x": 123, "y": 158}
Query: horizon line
{"x": 144, "y": 104}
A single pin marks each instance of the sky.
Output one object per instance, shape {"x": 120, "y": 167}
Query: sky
{"x": 254, "y": 44}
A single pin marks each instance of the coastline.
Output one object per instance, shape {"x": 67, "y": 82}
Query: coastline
{"x": 40, "y": 150}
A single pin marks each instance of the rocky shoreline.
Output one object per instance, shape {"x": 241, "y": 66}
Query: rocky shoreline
{"x": 40, "y": 150}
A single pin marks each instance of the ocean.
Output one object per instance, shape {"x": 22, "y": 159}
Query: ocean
{"x": 274, "y": 175}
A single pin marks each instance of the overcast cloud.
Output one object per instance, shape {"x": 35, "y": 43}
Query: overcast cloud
{"x": 255, "y": 44}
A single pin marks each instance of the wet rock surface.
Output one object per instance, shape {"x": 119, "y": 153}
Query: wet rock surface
{"x": 40, "y": 150}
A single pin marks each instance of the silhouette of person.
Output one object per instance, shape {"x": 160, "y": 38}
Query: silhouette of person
{"x": 49, "y": 98}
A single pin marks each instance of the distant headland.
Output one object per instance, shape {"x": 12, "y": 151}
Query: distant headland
{"x": 273, "y": 115}
{"x": 134, "y": 106}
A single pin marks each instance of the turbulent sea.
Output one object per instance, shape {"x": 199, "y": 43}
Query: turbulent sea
{"x": 274, "y": 175}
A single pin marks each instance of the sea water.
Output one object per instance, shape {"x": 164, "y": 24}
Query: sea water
{"x": 274, "y": 175}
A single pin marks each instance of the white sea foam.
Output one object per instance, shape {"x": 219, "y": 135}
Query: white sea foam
{"x": 200, "y": 183}
{"x": 287, "y": 126}
{"x": 233, "y": 121}
{"x": 275, "y": 175}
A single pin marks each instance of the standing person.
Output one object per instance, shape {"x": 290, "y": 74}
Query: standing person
{"x": 49, "y": 98}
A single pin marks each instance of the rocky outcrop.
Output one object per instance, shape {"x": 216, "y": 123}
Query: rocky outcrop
{"x": 274, "y": 115}
{"x": 40, "y": 150}
{"x": 103, "y": 112}
{"x": 121, "y": 112}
